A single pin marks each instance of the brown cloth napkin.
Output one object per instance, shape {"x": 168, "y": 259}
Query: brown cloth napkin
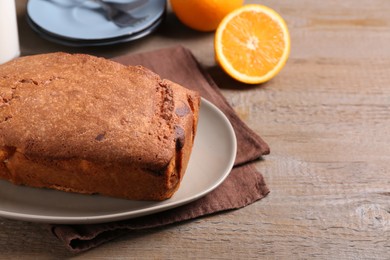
{"x": 243, "y": 186}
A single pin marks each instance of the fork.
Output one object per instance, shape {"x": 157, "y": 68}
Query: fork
{"x": 117, "y": 12}
{"x": 126, "y": 6}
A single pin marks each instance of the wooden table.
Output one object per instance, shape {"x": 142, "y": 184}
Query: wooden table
{"x": 326, "y": 117}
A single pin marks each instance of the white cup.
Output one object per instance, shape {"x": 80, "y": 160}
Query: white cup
{"x": 9, "y": 38}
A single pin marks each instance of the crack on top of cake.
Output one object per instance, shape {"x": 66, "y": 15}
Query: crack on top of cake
{"x": 190, "y": 101}
{"x": 51, "y": 79}
{"x": 41, "y": 82}
{"x": 29, "y": 81}
{"x": 167, "y": 104}
{"x": 7, "y": 96}
{"x": 164, "y": 119}
{"x": 10, "y": 92}
{"x": 4, "y": 117}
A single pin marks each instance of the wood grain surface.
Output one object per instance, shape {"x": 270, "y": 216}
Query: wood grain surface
{"x": 326, "y": 117}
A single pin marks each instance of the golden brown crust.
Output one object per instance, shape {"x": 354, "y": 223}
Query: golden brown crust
{"x": 85, "y": 124}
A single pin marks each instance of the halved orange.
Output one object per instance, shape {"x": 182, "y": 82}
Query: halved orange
{"x": 252, "y": 44}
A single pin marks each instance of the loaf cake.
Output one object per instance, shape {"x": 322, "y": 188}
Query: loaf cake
{"x": 79, "y": 123}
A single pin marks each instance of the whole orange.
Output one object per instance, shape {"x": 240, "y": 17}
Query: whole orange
{"x": 203, "y": 15}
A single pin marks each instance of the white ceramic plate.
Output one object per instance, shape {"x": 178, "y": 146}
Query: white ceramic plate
{"x": 84, "y": 20}
{"x": 211, "y": 161}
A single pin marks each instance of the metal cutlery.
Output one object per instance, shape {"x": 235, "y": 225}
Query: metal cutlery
{"x": 119, "y": 12}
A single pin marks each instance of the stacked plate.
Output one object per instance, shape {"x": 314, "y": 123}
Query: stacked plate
{"x": 84, "y": 22}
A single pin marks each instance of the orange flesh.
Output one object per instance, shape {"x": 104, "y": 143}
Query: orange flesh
{"x": 259, "y": 36}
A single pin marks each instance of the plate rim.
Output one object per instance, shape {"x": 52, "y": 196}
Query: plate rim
{"x": 104, "y": 218}
{"x": 94, "y": 42}
{"x": 126, "y": 33}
